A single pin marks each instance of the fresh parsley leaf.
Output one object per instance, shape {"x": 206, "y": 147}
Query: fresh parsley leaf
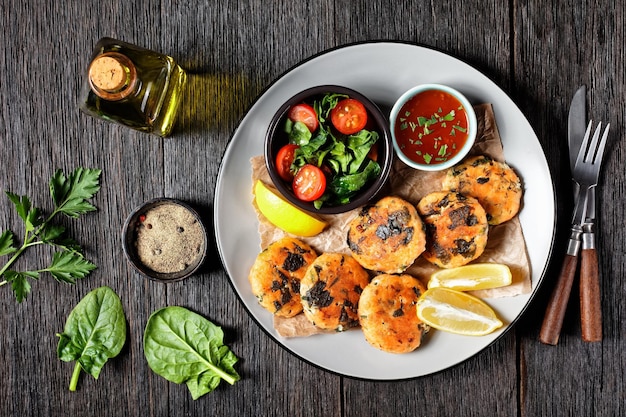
{"x": 30, "y": 215}
{"x": 19, "y": 283}
{"x": 51, "y": 232}
{"x": 70, "y": 195}
{"x": 6, "y": 243}
{"x": 69, "y": 266}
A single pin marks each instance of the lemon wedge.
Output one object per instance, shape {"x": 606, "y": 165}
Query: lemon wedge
{"x": 285, "y": 215}
{"x": 472, "y": 277}
{"x": 456, "y": 312}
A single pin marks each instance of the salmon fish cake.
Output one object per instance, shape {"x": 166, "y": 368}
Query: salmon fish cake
{"x": 387, "y": 236}
{"x": 330, "y": 291}
{"x": 456, "y": 228}
{"x": 494, "y": 184}
{"x": 276, "y": 274}
{"x": 388, "y": 316}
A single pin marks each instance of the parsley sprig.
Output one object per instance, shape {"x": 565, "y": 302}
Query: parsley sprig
{"x": 69, "y": 194}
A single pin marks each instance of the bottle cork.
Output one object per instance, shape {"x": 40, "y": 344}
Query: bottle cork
{"x": 112, "y": 76}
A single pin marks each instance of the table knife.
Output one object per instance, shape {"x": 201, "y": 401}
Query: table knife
{"x": 590, "y": 307}
{"x": 557, "y": 304}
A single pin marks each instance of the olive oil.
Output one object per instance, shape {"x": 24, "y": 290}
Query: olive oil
{"x": 133, "y": 86}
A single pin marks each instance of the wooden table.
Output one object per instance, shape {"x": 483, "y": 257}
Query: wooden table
{"x": 537, "y": 52}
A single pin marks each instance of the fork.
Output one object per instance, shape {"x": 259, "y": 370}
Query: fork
{"x": 585, "y": 174}
{"x": 590, "y": 306}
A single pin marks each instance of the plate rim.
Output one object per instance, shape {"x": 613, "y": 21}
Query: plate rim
{"x": 218, "y": 183}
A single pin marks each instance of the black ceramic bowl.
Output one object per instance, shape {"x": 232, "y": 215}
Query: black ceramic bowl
{"x": 276, "y": 138}
{"x": 171, "y": 217}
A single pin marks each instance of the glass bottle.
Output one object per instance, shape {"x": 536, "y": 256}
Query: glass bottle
{"x": 133, "y": 86}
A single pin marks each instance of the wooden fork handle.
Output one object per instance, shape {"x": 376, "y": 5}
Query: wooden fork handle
{"x": 590, "y": 307}
{"x": 555, "y": 312}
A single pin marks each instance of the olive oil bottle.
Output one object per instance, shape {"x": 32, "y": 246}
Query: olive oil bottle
{"x": 133, "y": 86}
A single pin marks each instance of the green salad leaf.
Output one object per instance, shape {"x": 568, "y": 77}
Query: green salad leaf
{"x": 184, "y": 347}
{"x": 94, "y": 331}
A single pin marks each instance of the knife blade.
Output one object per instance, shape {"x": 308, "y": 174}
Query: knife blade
{"x": 576, "y": 124}
{"x": 557, "y": 304}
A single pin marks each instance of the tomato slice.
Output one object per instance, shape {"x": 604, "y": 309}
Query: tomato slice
{"x": 349, "y": 116}
{"x": 284, "y": 159}
{"x": 309, "y": 183}
{"x": 304, "y": 113}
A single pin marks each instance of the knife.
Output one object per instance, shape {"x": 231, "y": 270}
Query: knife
{"x": 590, "y": 307}
{"x": 557, "y": 304}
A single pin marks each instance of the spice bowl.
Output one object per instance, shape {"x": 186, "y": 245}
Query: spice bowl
{"x": 165, "y": 240}
{"x": 433, "y": 127}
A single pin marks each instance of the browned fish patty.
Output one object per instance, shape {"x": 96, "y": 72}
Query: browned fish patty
{"x": 276, "y": 274}
{"x": 387, "y": 236}
{"x": 456, "y": 228}
{"x": 330, "y": 291}
{"x": 494, "y": 184}
{"x": 388, "y": 316}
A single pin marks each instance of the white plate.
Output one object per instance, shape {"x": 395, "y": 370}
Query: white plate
{"x": 382, "y": 71}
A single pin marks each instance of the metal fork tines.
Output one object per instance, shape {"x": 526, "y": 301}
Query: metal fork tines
{"x": 587, "y": 170}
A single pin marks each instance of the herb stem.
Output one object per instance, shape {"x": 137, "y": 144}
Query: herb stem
{"x": 75, "y": 375}
{"x": 226, "y": 377}
{"x": 27, "y": 243}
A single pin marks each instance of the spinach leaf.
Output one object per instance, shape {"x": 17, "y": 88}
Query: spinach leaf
{"x": 184, "y": 347}
{"x": 94, "y": 331}
{"x": 360, "y": 144}
{"x": 345, "y": 186}
{"x": 298, "y": 132}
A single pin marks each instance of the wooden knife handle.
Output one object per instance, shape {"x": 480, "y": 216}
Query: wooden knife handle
{"x": 555, "y": 312}
{"x": 590, "y": 307}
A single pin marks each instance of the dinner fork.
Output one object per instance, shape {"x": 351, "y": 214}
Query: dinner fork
{"x": 589, "y": 172}
{"x": 585, "y": 173}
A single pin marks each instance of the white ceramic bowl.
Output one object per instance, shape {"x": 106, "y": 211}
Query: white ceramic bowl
{"x": 472, "y": 127}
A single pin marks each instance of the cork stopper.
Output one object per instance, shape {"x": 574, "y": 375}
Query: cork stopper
{"x": 112, "y": 76}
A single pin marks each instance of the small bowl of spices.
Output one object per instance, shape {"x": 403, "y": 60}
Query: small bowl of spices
{"x": 165, "y": 240}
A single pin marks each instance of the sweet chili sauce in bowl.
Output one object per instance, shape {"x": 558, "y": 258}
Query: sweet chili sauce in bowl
{"x": 433, "y": 127}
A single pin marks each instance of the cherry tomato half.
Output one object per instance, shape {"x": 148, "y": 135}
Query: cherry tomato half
{"x": 284, "y": 159}
{"x": 306, "y": 114}
{"x": 349, "y": 116}
{"x": 309, "y": 183}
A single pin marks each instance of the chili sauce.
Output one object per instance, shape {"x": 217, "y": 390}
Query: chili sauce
{"x": 431, "y": 127}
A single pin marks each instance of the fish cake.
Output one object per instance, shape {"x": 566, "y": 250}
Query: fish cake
{"x": 276, "y": 274}
{"x": 387, "y": 236}
{"x": 330, "y": 291}
{"x": 494, "y": 184}
{"x": 388, "y": 316}
{"x": 456, "y": 228}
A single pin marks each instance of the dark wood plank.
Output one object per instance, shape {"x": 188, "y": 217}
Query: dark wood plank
{"x": 560, "y": 48}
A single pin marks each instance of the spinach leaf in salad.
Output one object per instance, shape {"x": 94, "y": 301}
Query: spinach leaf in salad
{"x": 95, "y": 331}
{"x": 184, "y": 347}
{"x": 344, "y": 156}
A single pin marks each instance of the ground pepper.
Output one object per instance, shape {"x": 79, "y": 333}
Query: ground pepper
{"x": 169, "y": 238}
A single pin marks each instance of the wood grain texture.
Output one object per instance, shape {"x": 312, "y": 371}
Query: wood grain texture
{"x": 537, "y": 52}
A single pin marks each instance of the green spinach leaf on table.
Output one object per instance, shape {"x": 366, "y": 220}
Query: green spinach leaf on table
{"x": 94, "y": 331}
{"x": 184, "y": 347}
